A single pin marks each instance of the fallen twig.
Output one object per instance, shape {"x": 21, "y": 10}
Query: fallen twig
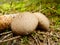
{"x": 7, "y": 36}
{"x": 4, "y": 33}
{"x": 35, "y": 39}
{"x": 1, "y": 41}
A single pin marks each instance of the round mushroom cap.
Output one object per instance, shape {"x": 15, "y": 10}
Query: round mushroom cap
{"x": 24, "y": 24}
{"x": 43, "y": 21}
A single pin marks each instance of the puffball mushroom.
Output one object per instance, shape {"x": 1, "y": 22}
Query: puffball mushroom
{"x": 43, "y": 21}
{"x": 5, "y": 21}
{"x": 24, "y": 24}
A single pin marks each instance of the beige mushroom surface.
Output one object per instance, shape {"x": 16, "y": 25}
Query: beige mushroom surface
{"x": 25, "y": 23}
{"x": 43, "y": 21}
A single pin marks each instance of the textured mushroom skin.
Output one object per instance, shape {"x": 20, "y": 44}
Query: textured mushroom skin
{"x": 5, "y": 21}
{"x": 43, "y": 21}
{"x": 24, "y": 23}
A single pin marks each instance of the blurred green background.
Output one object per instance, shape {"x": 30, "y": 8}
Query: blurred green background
{"x": 44, "y": 6}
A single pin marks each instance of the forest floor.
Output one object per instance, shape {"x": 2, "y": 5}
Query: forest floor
{"x": 38, "y": 37}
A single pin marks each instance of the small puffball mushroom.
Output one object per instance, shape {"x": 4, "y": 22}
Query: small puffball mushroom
{"x": 24, "y": 24}
{"x": 43, "y": 21}
{"x": 5, "y": 21}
